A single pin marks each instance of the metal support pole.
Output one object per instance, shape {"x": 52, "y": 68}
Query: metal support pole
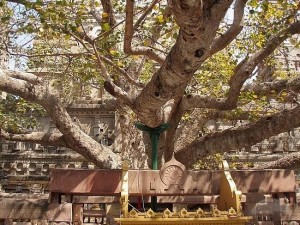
{"x": 154, "y": 137}
{"x": 154, "y": 144}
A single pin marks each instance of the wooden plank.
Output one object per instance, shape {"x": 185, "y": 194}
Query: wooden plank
{"x": 11, "y": 208}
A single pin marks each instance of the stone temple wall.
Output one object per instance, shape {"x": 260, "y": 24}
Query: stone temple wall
{"x": 25, "y": 167}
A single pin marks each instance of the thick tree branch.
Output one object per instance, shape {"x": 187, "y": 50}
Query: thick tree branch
{"x": 73, "y": 135}
{"x": 21, "y": 88}
{"x": 290, "y": 161}
{"x": 246, "y": 68}
{"x": 31, "y": 78}
{"x": 53, "y": 139}
{"x": 261, "y": 89}
{"x": 174, "y": 117}
{"x": 236, "y": 27}
{"x": 240, "y": 137}
{"x": 183, "y": 131}
{"x": 113, "y": 89}
{"x": 129, "y": 31}
{"x": 77, "y": 139}
{"x": 199, "y": 101}
{"x": 275, "y": 87}
{"x": 242, "y": 72}
{"x": 118, "y": 93}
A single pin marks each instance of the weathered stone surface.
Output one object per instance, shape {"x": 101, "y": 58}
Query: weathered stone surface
{"x": 291, "y": 212}
{"x": 95, "y": 199}
{"x": 258, "y": 197}
{"x": 146, "y": 182}
{"x": 22, "y": 208}
{"x": 94, "y": 182}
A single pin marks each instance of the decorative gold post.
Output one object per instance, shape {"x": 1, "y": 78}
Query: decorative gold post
{"x": 124, "y": 189}
{"x": 230, "y": 197}
{"x": 227, "y": 212}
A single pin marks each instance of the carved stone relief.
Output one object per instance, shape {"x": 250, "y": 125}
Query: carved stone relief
{"x": 173, "y": 173}
{"x": 103, "y": 131}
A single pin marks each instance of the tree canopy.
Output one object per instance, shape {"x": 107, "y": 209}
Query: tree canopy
{"x": 177, "y": 62}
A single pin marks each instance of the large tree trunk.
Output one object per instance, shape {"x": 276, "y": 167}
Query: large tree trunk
{"x": 129, "y": 140}
{"x": 198, "y": 23}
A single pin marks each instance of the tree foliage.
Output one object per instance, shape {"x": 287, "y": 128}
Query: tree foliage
{"x": 177, "y": 62}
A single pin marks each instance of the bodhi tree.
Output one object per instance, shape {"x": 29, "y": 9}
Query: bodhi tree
{"x": 174, "y": 62}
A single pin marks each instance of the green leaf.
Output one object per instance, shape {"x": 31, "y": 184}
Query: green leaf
{"x": 160, "y": 19}
{"x": 105, "y": 26}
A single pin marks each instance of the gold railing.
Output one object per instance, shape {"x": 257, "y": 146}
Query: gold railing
{"x": 227, "y": 211}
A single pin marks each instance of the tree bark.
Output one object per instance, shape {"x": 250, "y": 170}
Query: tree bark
{"x": 186, "y": 56}
{"x": 235, "y": 138}
{"x": 72, "y": 135}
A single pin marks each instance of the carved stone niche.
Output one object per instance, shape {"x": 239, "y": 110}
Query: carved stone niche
{"x": 20, "y": 170}
{"x": 36, "y": 188}
{"x": 71, "y": 165}
{"x": 4, "y": 146}
{"x": 39, "y": 148}
{"x": 58, "y": 166}
{"x": 85, "y": 165}
{"x": 101, "y": 132}
{"x": 255, "y": 149}
{"x": 61, "y": 150}
{"x": 32, "y": 168}
{"x": 173, "y": 174}
{"x": 45, "y": 169}
{"x": 7, "y": 168}
{"x": 51, "y": 149}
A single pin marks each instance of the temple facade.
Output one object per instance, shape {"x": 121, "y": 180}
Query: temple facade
{"x": 25, "y": 167}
